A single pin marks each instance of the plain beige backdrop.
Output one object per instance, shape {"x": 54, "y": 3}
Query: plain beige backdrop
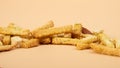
{"x": 94, "y": 14}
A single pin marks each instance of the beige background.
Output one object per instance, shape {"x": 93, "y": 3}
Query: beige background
{"x": 94, "y": 14}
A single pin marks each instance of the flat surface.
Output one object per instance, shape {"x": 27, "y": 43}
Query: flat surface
{"x": 94, "y": 14}
{"x": 51, "y": 56}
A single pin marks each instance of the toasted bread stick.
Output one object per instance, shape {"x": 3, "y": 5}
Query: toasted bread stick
{"x": 49, "y": 24}
{"x": 77, "y": 30}
{"x": 14, "y": 30}
{"x": 6, "y": 47}
{"x": 6, "y": 40}
{"x": 30, "y": 43}
{"x": 98, "y": 48}
{"x": 105, "y": 40}
{"x": 52, "y": 31}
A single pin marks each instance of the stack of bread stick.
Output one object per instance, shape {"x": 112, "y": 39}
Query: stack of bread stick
{"x": 13, "y": 36}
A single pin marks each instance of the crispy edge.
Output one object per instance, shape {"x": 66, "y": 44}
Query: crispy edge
{"x": 78, "y": 42}
{"x": 117, "y": 44}
{"x": 65, "y": 35}
{"x": 59, "y": 40}
{"x": 12, "y": 29}
{"x": 77, "y": 30}
{"x": 6, "y": 40}
{"x": 49, "y": 24}
{"x": 7, "y": 47}
{"x": 82, "y": 46}
{"x": 45, "y": 40}
{"x": 89, "y": 39}
{"x": 30, "y": 43}
{"x": 105, "y": 40}
{"x": 53, "y": 31}
{"x": 85, "y": 42}
{"x": 98, "y": 48}
{"x": 1, "y": 37}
